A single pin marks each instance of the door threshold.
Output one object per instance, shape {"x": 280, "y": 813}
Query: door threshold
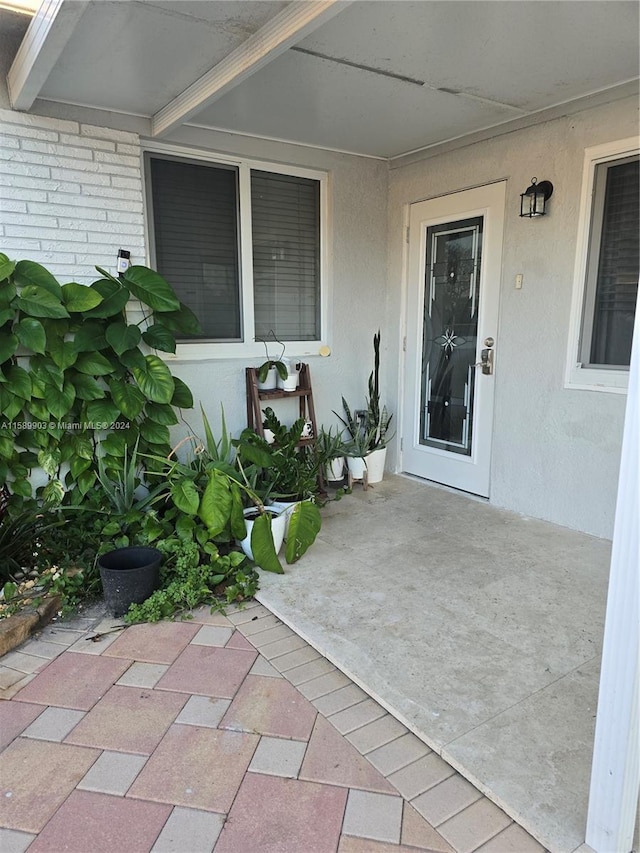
{"x": 442, "y": 486}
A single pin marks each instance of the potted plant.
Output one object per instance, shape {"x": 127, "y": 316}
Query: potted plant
{"x": 130, "y": 573}
{"x": 331, "y": 448}
{"x": 273, "y": 370}
{"x": 369, "y": 428}
{"x": 286, "y": 474}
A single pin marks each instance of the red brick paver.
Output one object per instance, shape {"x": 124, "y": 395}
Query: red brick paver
{"x": 209, "y": 757}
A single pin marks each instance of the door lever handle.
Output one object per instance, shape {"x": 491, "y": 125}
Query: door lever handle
{"x": 486, "y": 361}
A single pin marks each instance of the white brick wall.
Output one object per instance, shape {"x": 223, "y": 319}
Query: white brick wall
{"x": 70, "y": 195}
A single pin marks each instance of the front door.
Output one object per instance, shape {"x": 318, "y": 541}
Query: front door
{"x": 455, "y": 259}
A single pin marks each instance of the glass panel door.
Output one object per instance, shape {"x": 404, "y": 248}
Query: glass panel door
{"x": 452, "y": 288}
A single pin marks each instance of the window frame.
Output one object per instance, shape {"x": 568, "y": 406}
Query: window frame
{"x": 197, "y": 350}
{"x": 578, "y": 375}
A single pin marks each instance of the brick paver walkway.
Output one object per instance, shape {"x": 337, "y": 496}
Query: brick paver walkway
{"x": 225, "y": 733}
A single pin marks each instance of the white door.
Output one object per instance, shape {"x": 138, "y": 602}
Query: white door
{"x": 452, "y": 349}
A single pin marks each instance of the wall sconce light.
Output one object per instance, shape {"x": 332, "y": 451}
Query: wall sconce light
{"x": 534, "y": 199}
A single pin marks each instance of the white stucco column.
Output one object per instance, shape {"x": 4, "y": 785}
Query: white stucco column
{"x": 615, "y": 773}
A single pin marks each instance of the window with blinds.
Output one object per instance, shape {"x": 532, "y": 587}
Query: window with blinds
{"x": 613, "y": 265}
{"x": 285, "y": 215}
{"x": 197, "y": 232}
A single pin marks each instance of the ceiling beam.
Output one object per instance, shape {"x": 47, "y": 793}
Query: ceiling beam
{"x": 297, "y": 20}
{"x": 44, "y": 41}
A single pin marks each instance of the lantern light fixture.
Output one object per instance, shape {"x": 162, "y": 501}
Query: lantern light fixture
{"x": 533, "y": 200}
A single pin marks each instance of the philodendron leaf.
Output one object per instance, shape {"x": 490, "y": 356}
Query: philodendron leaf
{"x": 40, "y": 302}
{"x": 122, "y": 337}
{"x": 262, "y": 547}
{"x": 19, "y": 382}
{"x": 78, "y": 465}
{"x": 7, "y": 292}
{"x": 6, "y": 267}
{"x": 149, "y": 287}
{"x": 155, "y": 380}
{"x": 182, "y": 396}
{"x": 6, "y": 314}
{"x": 39, "y": 410}
{"x": 78, "y": 297}
{"x": 183, "y": 320}
{"x": 154, "y": 433}
{"x": 133, "y": 358}
{"x": 30, "y": 273}
{"x": 238, "y": 527}
{"x": 8, "y": 345}
{"x": 11, "y": 405}
{"x": 93, "y": 364}
{"x": 86, "y": 480}
{"x": 53, "y": 493}
{"x": 185, "y": 496}
{"x": 82, "y": 445}
{"x": 215, "y": 506}
{"x": 87, "y": 388}
{"x": 63, "y": 353}
{"x": 304, "y": 526}
{"x": 102, "y": 412}
{"x": 161, "y": 413}
{"x": 159, "y": 337}
{"x": 21, "y": 487}
{"x": 127, "y": 398}
{"x": 60, "y": 400}
{"x": 31, "y": 334}
{"x": 90, "y": 337}
{"x": 49, "y": 460}
{"x": 114, "y": 298}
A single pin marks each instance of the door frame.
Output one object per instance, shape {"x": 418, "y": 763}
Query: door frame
{"x": 487, "y": 325}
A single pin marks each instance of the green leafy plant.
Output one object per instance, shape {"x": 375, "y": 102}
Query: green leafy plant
{"x": 283, "y": 469}
{"x": 369, "y": 428}
{"x": 20, "y": 532}
{"x": 191, "y": 583}
{"x": 73, "y": 375}
{"x": 279, "y": 365}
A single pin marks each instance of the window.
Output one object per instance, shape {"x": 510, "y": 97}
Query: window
{"x": 607, "y": 269}
{"x": 241, "y": 243}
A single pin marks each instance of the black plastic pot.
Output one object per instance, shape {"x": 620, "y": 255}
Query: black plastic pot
{"x": 129, "y": 576}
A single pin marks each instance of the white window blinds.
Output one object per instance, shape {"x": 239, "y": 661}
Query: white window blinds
{"x": 195, "y": 226}
{"x": 286, "y": 256}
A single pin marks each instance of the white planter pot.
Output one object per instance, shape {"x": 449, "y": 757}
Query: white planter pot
{"x": 335, "y": 470}
{"x": 285, "y": 508}
{"x": 278, "y": 523}
{"x": 290, "y": 383}
{"x": 375, "y": 465}
{"x": 271, "y": 382}
{"x": 357, "y": 466}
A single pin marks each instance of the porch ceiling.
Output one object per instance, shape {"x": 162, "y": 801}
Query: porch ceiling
{"x": 372, "y": 77}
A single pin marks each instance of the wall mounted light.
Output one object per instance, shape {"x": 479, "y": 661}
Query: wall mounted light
{"x": 534, "y": 199}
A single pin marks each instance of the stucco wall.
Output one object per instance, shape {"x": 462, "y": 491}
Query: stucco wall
{"x": 71, "y": 196}
{"x": 555, "y": 451}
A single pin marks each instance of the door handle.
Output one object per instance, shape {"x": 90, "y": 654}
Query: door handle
{"x": 486, "y": 361}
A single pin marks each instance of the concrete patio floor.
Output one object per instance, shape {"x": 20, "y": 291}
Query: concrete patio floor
{"x": 225, "y": 733}
{"x": 479, "y": 629}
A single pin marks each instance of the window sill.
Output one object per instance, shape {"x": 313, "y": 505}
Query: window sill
{"x": 252, "y": 351}
{"x": 592, "y": 379}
